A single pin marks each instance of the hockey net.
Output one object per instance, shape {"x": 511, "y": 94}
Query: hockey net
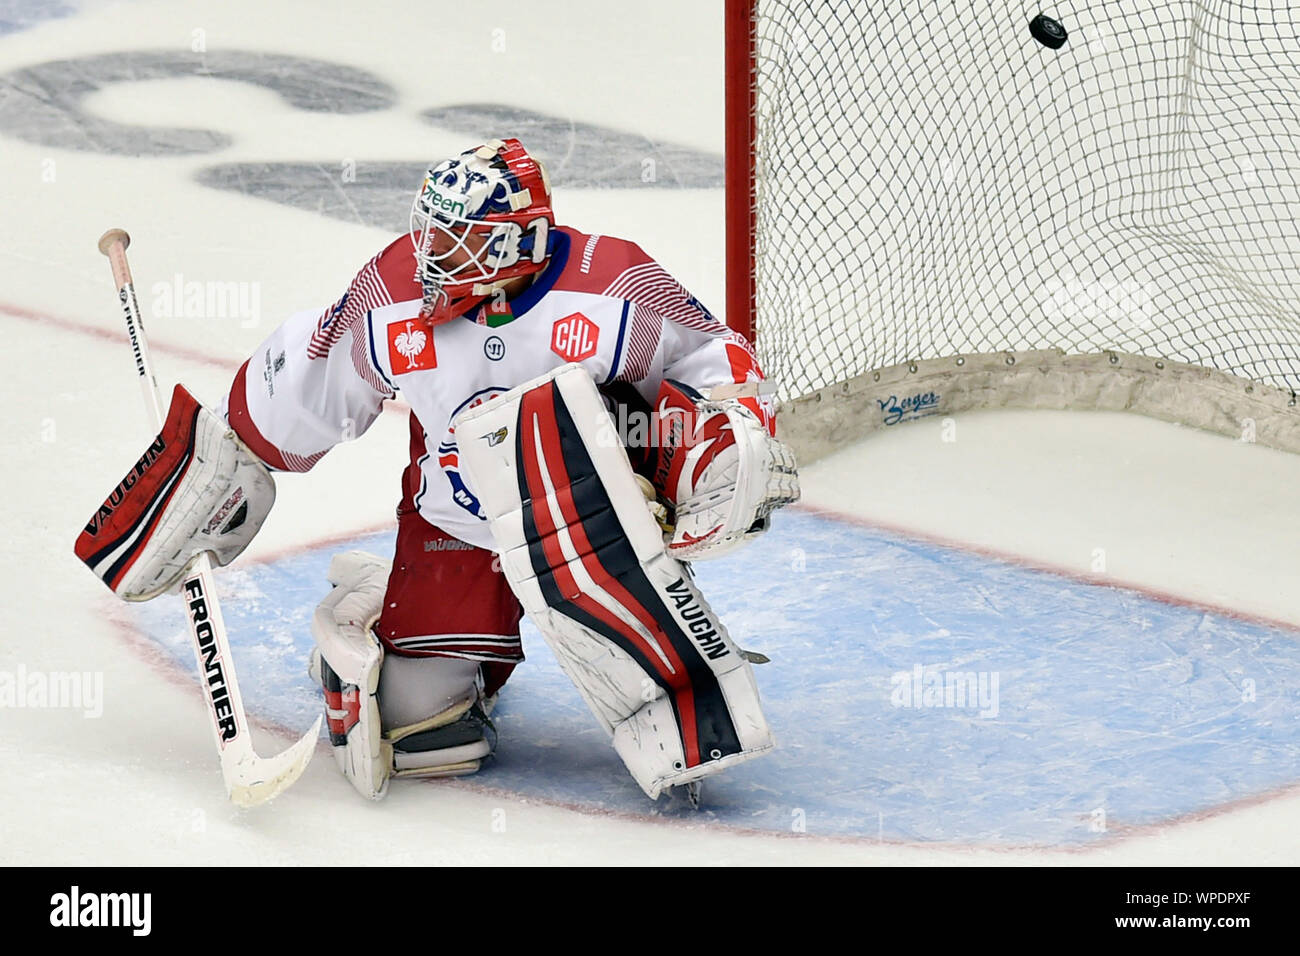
{"x": 935, "y": 206}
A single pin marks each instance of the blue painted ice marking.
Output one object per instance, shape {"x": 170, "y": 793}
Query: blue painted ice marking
{"x": 1101, "y": 708}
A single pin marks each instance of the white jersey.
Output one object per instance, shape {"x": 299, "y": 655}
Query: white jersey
{"x": 323, "y": 377}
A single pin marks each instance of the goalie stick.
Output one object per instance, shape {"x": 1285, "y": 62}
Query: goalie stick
{"x": 249, "y": 779}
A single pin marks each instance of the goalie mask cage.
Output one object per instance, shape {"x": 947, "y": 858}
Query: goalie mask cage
{"x": 930, "y": 210}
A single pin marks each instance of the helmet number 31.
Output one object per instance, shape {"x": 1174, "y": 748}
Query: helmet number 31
{"x": 506, "y": 245}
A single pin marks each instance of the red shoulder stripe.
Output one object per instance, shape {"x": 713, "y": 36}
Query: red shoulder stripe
{"x": 387, "y": 278}
{"x": 595, "y": 261}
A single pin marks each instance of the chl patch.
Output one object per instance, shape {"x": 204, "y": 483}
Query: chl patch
{"x": 574, "y": 337}
{"x": 410, "y": 347}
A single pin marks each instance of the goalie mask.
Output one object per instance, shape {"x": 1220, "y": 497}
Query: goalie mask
{"x": 479, "y": 221}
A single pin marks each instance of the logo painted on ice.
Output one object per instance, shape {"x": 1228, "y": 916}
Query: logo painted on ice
{"x": 894, "y": 410}
{"x": 574, "y": 337}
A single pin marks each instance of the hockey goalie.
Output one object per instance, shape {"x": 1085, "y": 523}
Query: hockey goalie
{"x": 581, "y": 429}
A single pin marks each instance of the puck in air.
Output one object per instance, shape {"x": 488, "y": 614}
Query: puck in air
{"x": 1050, "y": 33}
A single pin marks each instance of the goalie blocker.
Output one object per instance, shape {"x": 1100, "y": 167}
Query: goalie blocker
{"x": 588, "y": 563}
{"x": 196, "y": 488}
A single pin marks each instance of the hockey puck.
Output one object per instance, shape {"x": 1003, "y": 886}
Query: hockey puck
{"x": 1050, "y": 33}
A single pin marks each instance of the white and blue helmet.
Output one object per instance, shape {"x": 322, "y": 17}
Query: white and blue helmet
{"x": 480, "y": 220}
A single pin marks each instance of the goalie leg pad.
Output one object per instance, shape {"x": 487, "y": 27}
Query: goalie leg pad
{"x": 589, "y": 565}
{"x": 377, "y": 707}
{"x": 346, "y": 662}
{"x": 196, "y": 488}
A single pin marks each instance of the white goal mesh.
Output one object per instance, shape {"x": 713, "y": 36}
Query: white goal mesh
{"x": 933, "y": 180}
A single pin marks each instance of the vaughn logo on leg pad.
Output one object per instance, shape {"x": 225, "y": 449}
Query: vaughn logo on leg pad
{"x": 75, "y": 908}
{"x": 697, "y": 620}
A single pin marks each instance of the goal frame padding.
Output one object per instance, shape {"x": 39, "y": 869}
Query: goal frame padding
{"x": 932, "y": 390}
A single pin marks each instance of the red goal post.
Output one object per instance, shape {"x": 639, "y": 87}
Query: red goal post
{"x": 741, "y": 197}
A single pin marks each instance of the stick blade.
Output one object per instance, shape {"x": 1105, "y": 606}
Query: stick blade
{"x": 252, "y": 780}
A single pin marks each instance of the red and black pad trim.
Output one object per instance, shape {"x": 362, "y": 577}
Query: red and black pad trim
{"x": 342, "y": 704}
{"x": 707, "y": 731}
{"x": 121, "y": 527}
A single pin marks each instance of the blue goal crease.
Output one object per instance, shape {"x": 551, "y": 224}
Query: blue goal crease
{"x": 917, "y": 693}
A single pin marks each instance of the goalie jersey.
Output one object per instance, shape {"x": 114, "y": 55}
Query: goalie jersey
{"x": 323, "y": 377}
